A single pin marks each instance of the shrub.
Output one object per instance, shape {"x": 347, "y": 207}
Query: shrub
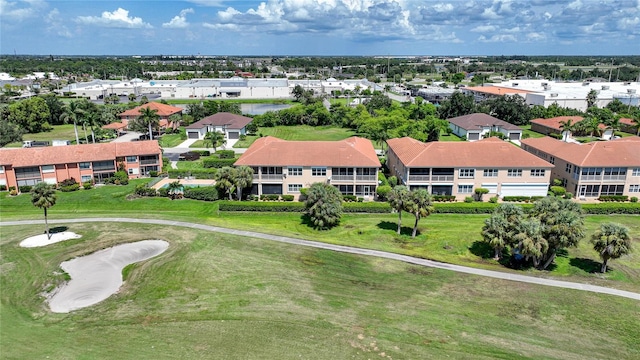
{"x": 287, "y": 197}
{"x": 480, "y": 192}
{"x": 25, "y": 188}
{"x": 144, "y": 190}
{"x": 215, "y": 162}
{"x": 441, "y": 198}
{"x": 521, "y": 198}
{"x": 270, "y": 197}
{"x": 393, "y": 181}
{"x": 557, "y": 182}
{"x": 634, "y": 199}
{"x": 606, "y": 197}
{"x": 12, "y": 188}
{"x": 67, "y": 182}
{"x": 198, "y": 174}
{"x": 493, "y": 199}
{"x": 568, "y": 195}
{"x": 13, "y": 192}
{"x": 468, "y": 199}
{"x": 226, "y": 154}
{"x": 153, "y": 173}
{"x": 382, "y": 180}
{"x": 349, "y": 198}
{"x": 611, "y": 208}
{"x": 70, "y": 188}
{"x": 558, "y": 190}
{"x": 556, "y": 136}
{"x": 261, "y": 206}
{"x": 205, "y": 193}
{"x": 383, "y": 191}
{"x": 3, "y": 187}
{"x": 162, "y": 192}
{"x": 87, "y": 185}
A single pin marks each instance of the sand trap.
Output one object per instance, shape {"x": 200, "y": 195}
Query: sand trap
{"x": 43, "y": 240}
{"x": 97, "y": 276}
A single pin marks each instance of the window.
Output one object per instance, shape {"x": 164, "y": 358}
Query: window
{"x": 294, "y": 171}
{"x": 132, "y": 159}
{"x": 615, "y": 172}
{"x": 48, "y": 169}
{"x": 612, "y": 190}
{"x": 85, "y": 165}
{"x": 466, "y": 173}
{"x": 86, "y": 178}
{"x": 636, "y": 172}
{"x": 465, "y": 189}
{"x": 294, "y": 188}
{"x": 634, "y": 188}
{"x": 133, "y": 171}
{"x": 514, "y": 172}
{"x": 345, "y": 189}
{"x": 589, "y": 190}
{"x": 490, "y": 173}
{"x": 319, "y": 171}
{"x": 537, "y": 172}
{"x": 567, "y": 168}
{"x": 552, "y": 159}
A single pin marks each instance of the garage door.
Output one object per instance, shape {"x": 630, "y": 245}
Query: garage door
{"x": 524, "y": 189}
{"x": 192, "y": 135}
{"x": 473, "y": 136}
{"x": 234, "y": 135}
{"x": 514, "y": 136}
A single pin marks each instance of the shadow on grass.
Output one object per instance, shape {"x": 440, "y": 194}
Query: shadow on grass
{"x": 58, "y": 229}
{"x": 587, "y": 265}
{"x": 482, "y": 249}
{"x": 404, "y": 230}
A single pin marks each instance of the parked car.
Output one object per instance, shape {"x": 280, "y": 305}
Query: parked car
{"x": 189, "y": 156}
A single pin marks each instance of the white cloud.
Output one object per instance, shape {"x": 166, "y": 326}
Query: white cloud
{"x": 117, "y": 19}
{"x": 484, "y": 28}
{"x": 15, "y": 11}
{"x": 56, "y": 24}
{"x": 536, "y": 36}
{"x": 498, "y": 38}
{"x": 179, "y": 21}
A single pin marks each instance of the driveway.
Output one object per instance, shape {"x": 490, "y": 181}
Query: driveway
{"x": 353, "y": 250}
{"x": 129, "y": 136}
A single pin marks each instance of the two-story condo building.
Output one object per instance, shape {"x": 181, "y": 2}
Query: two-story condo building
{"x": 593, "y": 169}
{"x": 457, "y": 168}
{"x": 285, "y": 167}
{"x": 86, "y": 162}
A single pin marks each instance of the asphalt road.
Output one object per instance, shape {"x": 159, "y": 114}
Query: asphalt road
{"x": 352, "y": 250}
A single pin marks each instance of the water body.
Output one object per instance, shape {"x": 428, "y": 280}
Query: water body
{"x": 97, "y": 276}
{"x": 259, "y": 109}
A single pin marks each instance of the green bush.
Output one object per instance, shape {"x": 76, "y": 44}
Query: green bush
{"x": 521, "y": 198}
{"x": 144, "y": 190}
{"x": 568, "y": 195}
{"x": 3, "y": 187}
{"x": 226, "y": 154}
{"x": 203, "y": 152}
{"x": 611, "y": 208}
{"x": 215, "y": 162}
{"x": 261, "y": 206}
{"x": 25, "y": 188}
{"x": 287, "y": 197}
{"x": 493, "y": 199}
{"x": 634, "y": 199}
{"x": 87, "y": 185}
{"x": 270, "y": 197}
{"x": 441, "y": 198}
{"x": 153, "y": 173}
{"x": 382, "y": 180}
{"x": 558, "y": 190}
{"x": 556, "y": 136}
{"x": 67, "y": 182}
{"x": 468, "y": 199}
{"x": 613, "y": 198}
{"x": 69, "y": 188}
{"x": 349, "y": 198}
{"x": 197, "y": 173}
{"x": 383, "y": 191}
{"x": 205, "y": 193}
{"x": 162, "y": 192}
{"x": 393, "y": 181}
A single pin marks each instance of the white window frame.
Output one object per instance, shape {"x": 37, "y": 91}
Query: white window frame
{"x": 135, "y": 159}
{"x": 635, "y": 172}
{"x": 490, "y": 173}
{"x": 634, "y": 188}
{"x": 538, "y": 172}
{"x": 294, "y": 171}
{"x": 465, "y": 188}
{"x": 514, "y": 173}
{"x": 466, "y": 173}
{"x": 86, "y": 167}
{"x": 86, "y": 178}
{"x": 318, "y": 171}
{"x": 48, "y": 169}
{"x": 294, "y": 188}
{"x": 567, "y": 168}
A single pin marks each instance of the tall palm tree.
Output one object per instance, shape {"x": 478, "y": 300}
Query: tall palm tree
{"x": 150, "y": 118}
{"x": 175, "y": 189}
{"x": 225, "y": 180}
{"x": 398, "y": 197}
{"x": 499, "y": 230}
{"x": 420, "y": 205}
{"x": 567, "y": 127}
{"x": 243, "y": 179}
{"x": 592, "y": 98}
{"x": 214, "y": 139}
{"x": 611, "y": 241}
{"x": 529, "y": 241}
{"x": 43, "y": 196}
{"x": 591, "y": 125}
{"x": 72, "y": 113}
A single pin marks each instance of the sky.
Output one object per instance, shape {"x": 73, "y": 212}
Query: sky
{"x": 320, "y": 27}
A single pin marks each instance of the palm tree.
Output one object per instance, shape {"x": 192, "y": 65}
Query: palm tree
{"x": 591, "y": 125}
{"x": 73, "y": 112}
{"x": 611, "y": 241}
{"x": 243, "y": 179}
{"x": 398, "y": 197}
{"x": 420, "y": 205}
{"x": 175, "y": 189}
{"x": 636, "y": 122}
{"x": 592, "y": 98}
{"x": 225, "y": 180}
{"x": 132, "y": 97}
{"x": 43, "y": 196}
{"x": 501, "y": 227}
{"x": 214, "y": 139}
{"x": 613, "y": 124}
{"x": 150, "y": 118}
{"x": 567, "y": 127}
{"x": 529, "y": 241}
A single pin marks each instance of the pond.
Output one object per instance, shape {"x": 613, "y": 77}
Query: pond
{"x": 259, "y": 109}
{"x": 97, "y": 276}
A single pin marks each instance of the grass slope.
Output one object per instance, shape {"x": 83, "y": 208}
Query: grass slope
{"x": 225, "y": 297}
{"x": 300, "y": 133}
{"x": 59, "y": 132}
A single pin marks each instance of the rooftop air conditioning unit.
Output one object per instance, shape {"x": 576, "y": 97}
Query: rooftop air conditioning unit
{"x": 585, "y": 83}
{"x": 554, "y": 94}
{"x": 546, "y": 87}
{"x": 514, "y": 84}
{"x": 631, "y": 91}
{"x": 605, "y": 87}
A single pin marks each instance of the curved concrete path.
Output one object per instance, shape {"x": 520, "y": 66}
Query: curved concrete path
{"x": 352, "y": 250}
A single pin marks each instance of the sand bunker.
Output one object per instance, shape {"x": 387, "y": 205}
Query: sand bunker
{"x": 43, "y": 240}
{"x": 97, "y": 276}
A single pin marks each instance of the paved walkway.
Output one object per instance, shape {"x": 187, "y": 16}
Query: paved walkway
{"x": 352, "y": 250}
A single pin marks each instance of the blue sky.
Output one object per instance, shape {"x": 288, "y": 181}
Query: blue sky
{"x": 320, "y": 27}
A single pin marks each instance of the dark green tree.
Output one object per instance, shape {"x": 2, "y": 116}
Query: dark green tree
{"x": 457, "y": 105}
{"x": 323, "y": 206}
{"x": 420, "y": 205}
{"x": 398, "y": 197}
{"x": 43, "y": 196}
{"x": 611, "y": 241}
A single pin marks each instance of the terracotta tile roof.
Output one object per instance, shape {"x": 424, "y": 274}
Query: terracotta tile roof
{"x": 164, "y": 110}
{"x": 554, "y": 123}
{"x": 271, "y": 151}
{"x": 497, "y": 90}
{"x": 51, "y": 155}
{"x": 624, "y": 152}
{"x": 114, "y": 126}
{"x": 475, "y": 121}
{"x": 232, "y": 121}
{"x": 486, "y": 153}
{"x": 627, "y": 121}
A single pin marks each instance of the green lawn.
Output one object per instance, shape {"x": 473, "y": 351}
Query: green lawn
{"x": 170, "y": 140}
{"x": 189, "y": 165}
{"x": 59, "y": 132}
{"x": 227, "y": 297}
{"x": 300, "y": 133}
{"x": 526, "y": 130}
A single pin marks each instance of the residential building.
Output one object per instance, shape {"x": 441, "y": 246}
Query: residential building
{"x": 458, "y": 168}
{"x": 163, "y": 110}
{"x": 476, "y": 126}
{"x": 285, "y": 167}
{"x": 85, "y": 162}
{"x": 554, "y": 126}
{"x": 231, "y": 125}
{"x": 593, "y": 169}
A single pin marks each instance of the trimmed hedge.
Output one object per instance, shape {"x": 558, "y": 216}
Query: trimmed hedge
{"x": 69, "y": 188}
{"x": 442, "y": 198}
{"x": 613, "y": 198}
{"x": 521, "y": 198}
{"x": 366, "y": 207}
{"x": 225, "y": 154}
{"x": 198, "y": 173}
{"x": 205, "y": 193}
{"x": 25, "y": 188}
{"x": 215, "y": 162}
{"x": 261, "y": 206}
{"x": 611, "y": 208}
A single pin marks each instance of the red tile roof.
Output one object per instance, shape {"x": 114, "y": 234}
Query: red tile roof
{"x": 486, "y": 153}
{"x": 164, "y": 110}
{"x": 51, "y": 155}
{"x": 231, "y": 121}
{"x": 624, "y": 152}
{"x": 476, "y": 120}
{"x": 554, "y": 123}
{"x": 271, "y": 151}
{"x": 115, "y": 126}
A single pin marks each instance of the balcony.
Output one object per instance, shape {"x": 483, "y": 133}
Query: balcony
{"x": 271, "y": 177}
{"x": 424, "y": 178}
{"x": 441, "y": 177}
{"x": 614, "y": 177}
{"x": 591, "y": 177}
{"x": 341, "y": 177}
{"x": 372, "y": 178}
{"x": 149, "y": 162}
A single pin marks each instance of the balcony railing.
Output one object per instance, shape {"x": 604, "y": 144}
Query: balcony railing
{"x": 591, "y": 177}
{"x": 615, "y": 177}
{"x": 419, "y": 177}
{"x": 149, "y": 162}
{"x": 272, "y": 177}
{"x": 104, "y": 168}
{"x": 366, "y": 177}
{"x": 342, "y": 177}
{"x": 441, "y": 177}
